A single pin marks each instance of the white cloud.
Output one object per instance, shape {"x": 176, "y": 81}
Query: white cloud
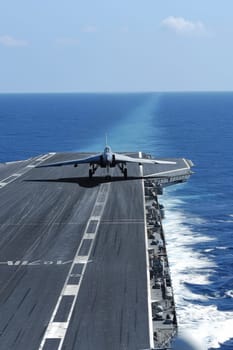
{"x": 89, "y": 29}
{"x": 67, "y": 41}
{"x": 7, "y": 40}
{"x": 183, "y": 26}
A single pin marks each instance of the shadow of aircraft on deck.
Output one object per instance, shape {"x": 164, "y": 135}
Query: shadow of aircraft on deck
{"x": 87, "y": 182}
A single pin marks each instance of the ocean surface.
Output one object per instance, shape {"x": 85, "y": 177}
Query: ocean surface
{"x": 199, "y": 214}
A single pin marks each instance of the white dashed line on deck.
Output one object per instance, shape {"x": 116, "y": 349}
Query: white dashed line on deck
{"x": 71, "y": 289}
{"x": 24, "y": 170}
{"x": 57, "y": 330}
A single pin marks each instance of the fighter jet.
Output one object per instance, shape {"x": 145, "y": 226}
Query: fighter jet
{"x": 107, "y": 159}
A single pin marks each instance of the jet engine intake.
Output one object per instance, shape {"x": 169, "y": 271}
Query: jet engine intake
{"x": 113, "y": 164}
{"x": 102, "y": 165}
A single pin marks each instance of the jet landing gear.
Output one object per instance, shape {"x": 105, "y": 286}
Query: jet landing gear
{"x": 124, "y": 171}
{"x": 92, "y": 170}
{"x": 108, "y": 176}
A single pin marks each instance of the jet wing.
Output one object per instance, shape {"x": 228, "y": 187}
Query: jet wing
{"x": 91, "y": 160}
{"x": 120, "y": 158}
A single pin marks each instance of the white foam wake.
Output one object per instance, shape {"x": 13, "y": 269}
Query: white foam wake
{"x": 207, "y": 323}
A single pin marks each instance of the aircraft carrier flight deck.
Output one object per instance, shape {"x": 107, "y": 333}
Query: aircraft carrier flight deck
{"x": 83, "y": 262}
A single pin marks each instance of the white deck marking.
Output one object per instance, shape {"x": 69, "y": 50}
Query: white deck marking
{"x": 89, "y": 235}
{"x": 186, "y": 163}
{"x": 43, "y": 158}
{"x": 81, "y": 259}
{"x": 71, "y": 289}
{"x": 169, "y": 171}
{"x": 150, "y": 320}
{"x": 58, "y": 330}
{"x": 22, "y": 171}
{"x": 13, "y": 162}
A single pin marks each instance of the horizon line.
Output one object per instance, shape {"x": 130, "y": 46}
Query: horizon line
{"x": 113, "y": 92}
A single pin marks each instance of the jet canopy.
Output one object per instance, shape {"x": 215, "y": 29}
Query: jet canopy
{"x": 107, "y": 149}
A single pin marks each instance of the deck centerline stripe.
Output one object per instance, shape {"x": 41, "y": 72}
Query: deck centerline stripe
{"x": 58, "y": 330}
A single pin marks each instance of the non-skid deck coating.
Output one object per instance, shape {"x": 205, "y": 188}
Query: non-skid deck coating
{"x": 72, "y": 257}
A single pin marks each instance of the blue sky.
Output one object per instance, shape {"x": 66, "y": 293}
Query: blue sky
{"x": 108, "y": 45}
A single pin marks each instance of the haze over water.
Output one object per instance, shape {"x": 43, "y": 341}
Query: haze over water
{"x": 199, "y": 214}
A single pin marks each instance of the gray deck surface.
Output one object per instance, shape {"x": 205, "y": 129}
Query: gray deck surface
{"x": 42, "y": 224}
{"x": 43, "y": 216}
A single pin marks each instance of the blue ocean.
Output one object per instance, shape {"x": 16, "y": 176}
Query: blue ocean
{"x": 199, "y": 214}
